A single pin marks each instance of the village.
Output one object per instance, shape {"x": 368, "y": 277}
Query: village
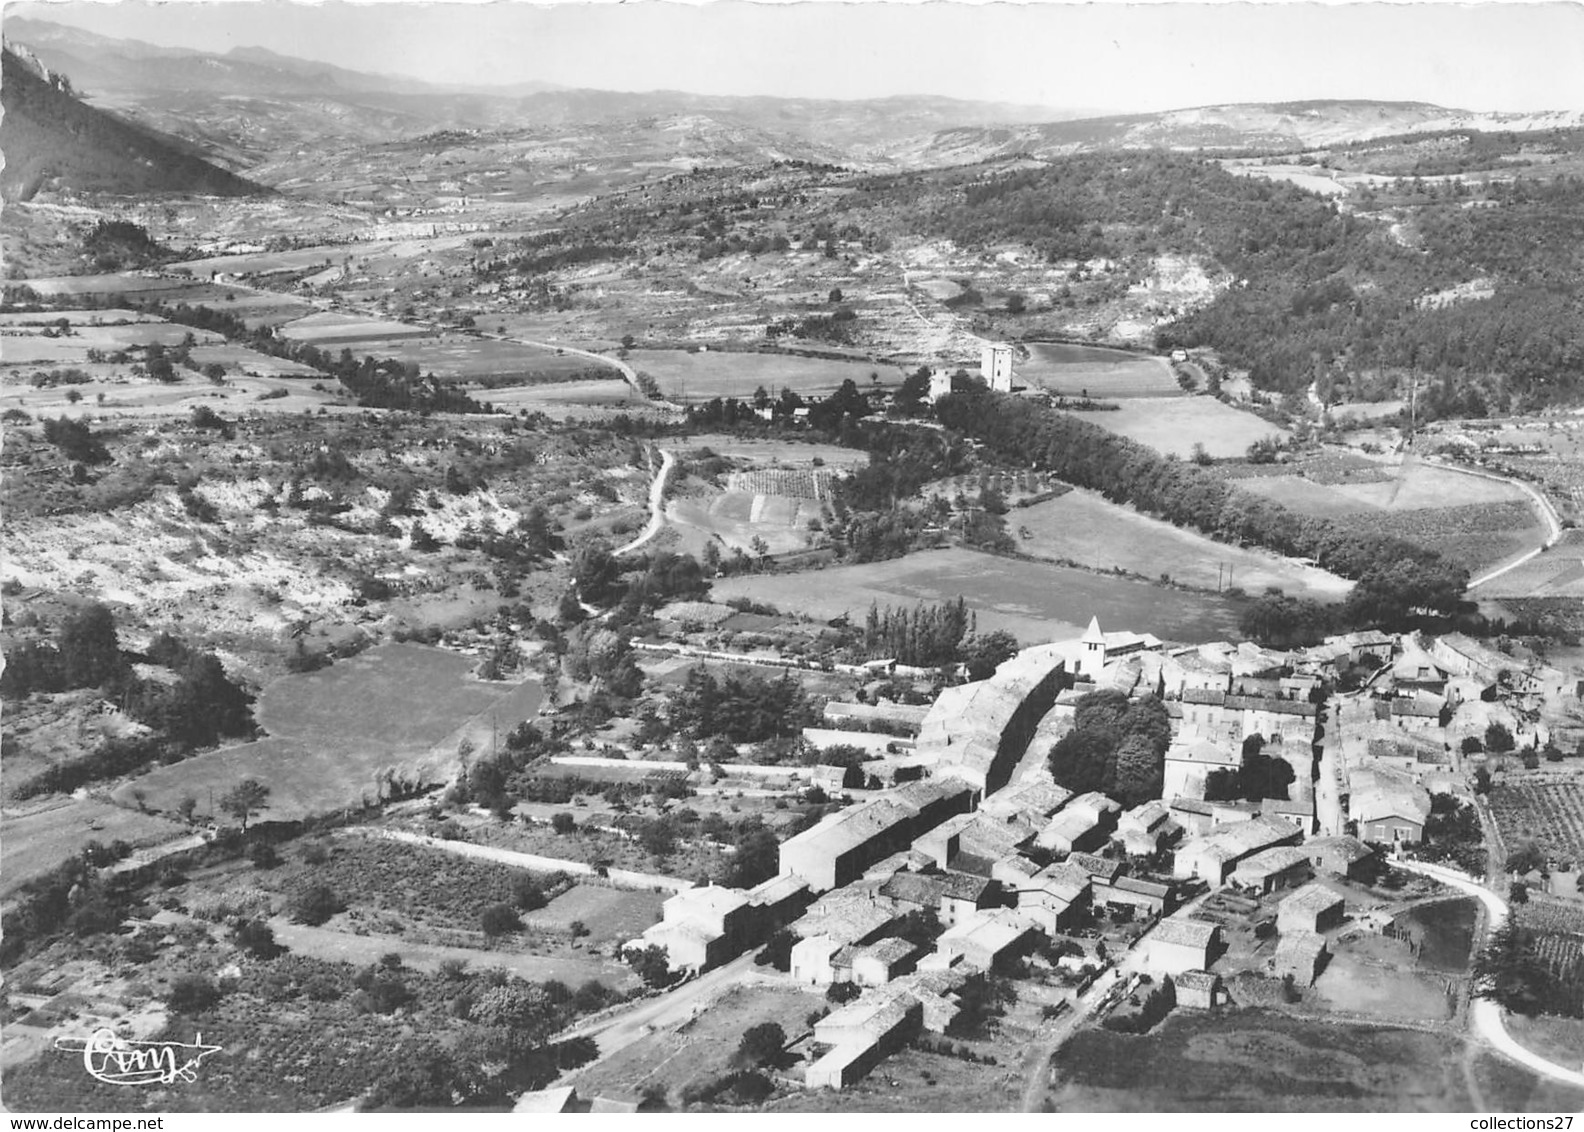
{"x": 956, "y": 822}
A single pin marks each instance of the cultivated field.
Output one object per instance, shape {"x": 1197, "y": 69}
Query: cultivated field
{"x": 28, "y": 346}
{"x": 567, "y": 398}
{"x": 701, "y": 1048}
{"x": 1083, "y": 527}
{"x": 1546, "y": 807}
{"x": 457, "y": 357}
{"x": 104, "y": 317}
{"x": 1075, "y": 371}
{"x": 1034, "y": 601}
{"x": 108, "y": 284}
{"x": 1471, "y": 520}
{"x": 1175, "y": 425}
{"x": 1257, "y": 1061}
{"x": 1557, "y": 573}
{"x": 334, "y": 733}
{"x": 685, "y": 377}
{"x": 241, "y": 359}
{"x": 611, "y": 915}
{"x": 363, "y": 949}
{"x": 1559, "y": 1039}
{"x": 778, "y": 453}
{"x": 35, "y": 840}
{"x": 324, "y": 327}
{"x": 737, "y": 518}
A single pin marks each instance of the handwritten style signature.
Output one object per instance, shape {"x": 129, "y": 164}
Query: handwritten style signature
{"x": 118, "y": 1061}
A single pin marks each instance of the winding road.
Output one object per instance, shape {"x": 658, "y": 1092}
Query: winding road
{"x": 1485, "y": 1014}
{"x": 656, "y": 506}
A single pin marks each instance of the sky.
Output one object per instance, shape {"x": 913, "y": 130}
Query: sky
{"x": 1119, "y": 57}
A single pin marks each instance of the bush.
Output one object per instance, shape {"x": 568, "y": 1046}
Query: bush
{"x": 192, "y": 994}
{"x": 257, "y": 938}
{"x": 842, "y": 992}
{"x": 499, "y": 920}
{"x": 313, "y": 905}
{"x": 763, "y": 1044}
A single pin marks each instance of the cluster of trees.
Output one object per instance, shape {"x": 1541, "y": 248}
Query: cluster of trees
{"x": 1395, "y": 577}
{"x": 120, "y": 245}
{"x": 536, "y": 256}
{"x": 73, "y": 897}
{"x": 745, "y": 708}
{"x": 836, "y": 327}
{"x": 1260, "y": 776}
{"x": 929, "y": 636}
{"x": 925, "y": 636}
{"x": 76, "y": 440}
{"x": 1116, "y": 746}
{"x": 201, "y": 706}
{"x": 1452, "y": 833}
{"x": 1510, "y": 970}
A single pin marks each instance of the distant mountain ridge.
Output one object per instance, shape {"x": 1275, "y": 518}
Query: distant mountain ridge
{"x": 292, "y": 101}
{"x": 51, "y": 139}
{"x": 255, "y": 109}
{"x": 1276, "y": 126}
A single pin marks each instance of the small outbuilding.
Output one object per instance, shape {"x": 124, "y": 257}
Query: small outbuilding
{"x": 1313, "y": 908}
{"x": 879, "y": 963}
{"x": 1197, "y": 990}
{"x": 1180, "y": 944}
{"x": 1302, "y": 955}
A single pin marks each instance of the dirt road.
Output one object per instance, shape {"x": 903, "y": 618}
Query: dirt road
{"x": 656, "y": 506}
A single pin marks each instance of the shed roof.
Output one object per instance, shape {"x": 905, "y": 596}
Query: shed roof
{"x": 852, "y": 827}
{"x": 1302, "y": 946}
{"x": 877, "y": 1014}
{"x": 1186, "y": 932}
{"x": 1196, "y": 980}
{"x": 709, "y": 900}
{"x": 1349, "y": 848}
{"x": 1269, "y": 862}
{"x": 915, "y": 888}
{"x": 962, "y": 886}
{"x": 890, "y": 951}
{"x": 1313, "y": 898}
{"x": 777, "y": 889}
{"x": 1098, "y": 867}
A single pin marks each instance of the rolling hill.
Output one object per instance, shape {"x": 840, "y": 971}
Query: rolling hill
{"x": 53, "y": 140}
